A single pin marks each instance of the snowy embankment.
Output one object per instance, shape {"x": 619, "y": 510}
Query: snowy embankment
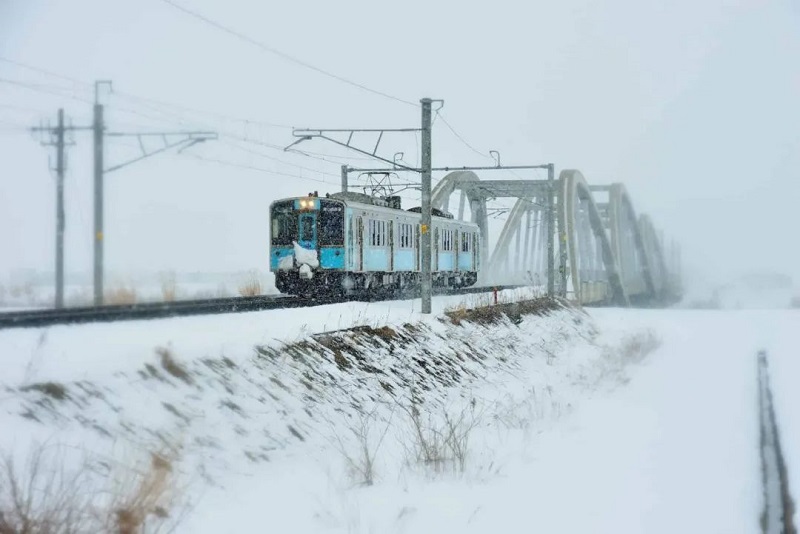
{"x": 279, "y": 420}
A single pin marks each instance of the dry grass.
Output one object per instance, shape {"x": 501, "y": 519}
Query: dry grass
{"x": 171, "y": 365}
{"x": 143, "y": 497}
{"x": 47, "y": 496}
{"x": 492, "y": 314}
{"x": 121, "y": 295}
{"x": 361, "y": 458}
{"x": 616, "y": 359}
{"x": 40, "y": 499}
{"x": 441, "y": 441}
{"x": 169, "y": 288}
{"x": 23, "y": 290}
{"x": 53, "y": 390}
{"x": 251, "y": 287}
{"x": 636, "y": 347}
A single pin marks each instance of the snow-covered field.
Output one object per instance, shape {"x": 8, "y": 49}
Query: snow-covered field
{"x": 36, "y": 290}
{"x": 616, "y": 421}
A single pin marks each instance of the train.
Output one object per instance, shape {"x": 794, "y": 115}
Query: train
{"x": 348, "y": 243}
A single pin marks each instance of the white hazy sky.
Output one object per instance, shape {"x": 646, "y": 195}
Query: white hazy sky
{"x": 693, "y": 105}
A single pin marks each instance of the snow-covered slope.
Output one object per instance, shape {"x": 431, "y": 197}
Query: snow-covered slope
{"x": 565, "y": 422}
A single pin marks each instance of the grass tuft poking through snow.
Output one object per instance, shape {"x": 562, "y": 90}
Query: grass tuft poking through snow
{"x": 171, "y": 365}
{"x": 121, "y": 295}
{"x": 56, "y": 491}
{"x": 489, "y": 313}
{"x": 439, "y": 441}
{"x": 251, "y": 287}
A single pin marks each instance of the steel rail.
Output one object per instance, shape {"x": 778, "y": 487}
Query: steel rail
{"x": 161, "y": 310}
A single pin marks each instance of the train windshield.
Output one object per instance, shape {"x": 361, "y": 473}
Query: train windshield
{"x": 307, "y": 228}
{"x": 284, "y": 224}
{"x": 331, "y": 224}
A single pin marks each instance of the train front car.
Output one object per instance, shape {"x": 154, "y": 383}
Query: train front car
{"x": 307, "y": 245}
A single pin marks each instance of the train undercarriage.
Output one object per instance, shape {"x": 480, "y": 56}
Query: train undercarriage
{"x": 349, "y": 283}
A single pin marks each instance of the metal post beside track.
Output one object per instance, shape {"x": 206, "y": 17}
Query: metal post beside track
{"x": 425, "y": 228}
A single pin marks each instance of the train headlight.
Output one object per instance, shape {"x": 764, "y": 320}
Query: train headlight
{"x": 307, "y": 204}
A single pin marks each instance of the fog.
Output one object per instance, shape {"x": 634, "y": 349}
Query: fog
{"x": 693, "y": 106}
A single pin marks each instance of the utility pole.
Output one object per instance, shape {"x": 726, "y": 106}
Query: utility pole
{"x": 58, "y": 139}
{"x": 187, "y": 139}
{"x": 551, "y": 226}
{"x": 425, "y": 171}
{"x": 98, "y": 130}
{"x": 344, "y": 178}
{"x": 425, "y": 228}
{"x": 60, "y": 210}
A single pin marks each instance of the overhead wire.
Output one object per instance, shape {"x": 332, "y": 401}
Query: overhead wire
{"x": 284, "y": 55}
{"x": 272, "y": 158}
{"x": 171, "y": 117}
{"x": 44, "y": 71}
{"x": 150, "y": 102}
{"x": 460, "y": 138}
{"x": 48, "y": 89}
{"x": 252, "y": 167}
{"x": 159, "y": 111}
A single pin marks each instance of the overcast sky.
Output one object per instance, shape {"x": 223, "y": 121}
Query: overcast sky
{"x": 693, "y": 105}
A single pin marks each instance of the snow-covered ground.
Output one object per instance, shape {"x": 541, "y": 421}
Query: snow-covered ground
{"x": 616, "y": 421}
{"x": 37, "y": 290}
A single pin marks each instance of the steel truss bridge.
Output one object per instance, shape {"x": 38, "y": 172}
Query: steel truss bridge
{"x": 603, "y": 253}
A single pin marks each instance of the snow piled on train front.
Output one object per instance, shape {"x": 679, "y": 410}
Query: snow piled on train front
{"x": 305, "y": 256}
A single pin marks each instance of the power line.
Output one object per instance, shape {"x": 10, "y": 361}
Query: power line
{"x": 147, "y": 101}
{"x": 174, "y": 117}
{"x": 271, "y": 158}
{"x": 284, "y": 55}
{"x": 15, "y": 107}
{"x": 458, "y": 136}
{"x": 44, "y": 71}
{"x": 153, "y": 101}
{"x": 468, "y": 145}
{"x": 44, "y": 89}
{"x": 252, "y": 168}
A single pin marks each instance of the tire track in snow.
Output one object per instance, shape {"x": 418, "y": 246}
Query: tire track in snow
{"x": 777, "y": 516}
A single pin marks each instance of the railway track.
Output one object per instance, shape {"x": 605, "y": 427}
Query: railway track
{"x": 777, "y": 516}
{"x": 160, "y": 310}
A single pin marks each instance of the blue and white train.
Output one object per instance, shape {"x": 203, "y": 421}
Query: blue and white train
{"x": 351, "y": 242}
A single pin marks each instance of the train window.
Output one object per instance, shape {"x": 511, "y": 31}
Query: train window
{"x": 465, "y": 242}
{"x": 447, "y": 240}
{"x": 284, "y": 228}
{"x": 406, "y": 235}
{"x": 377, "y": 233}
{"x": 331, "y": 225}
{"x": 307, "y": 230}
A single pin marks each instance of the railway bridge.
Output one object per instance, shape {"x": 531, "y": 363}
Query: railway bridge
{"x": 583, "y": 241}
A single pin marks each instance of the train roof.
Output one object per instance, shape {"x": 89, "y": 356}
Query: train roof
{"x": 385, "y": 202}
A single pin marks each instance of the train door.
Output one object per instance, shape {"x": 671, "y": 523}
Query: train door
{"x": 391, "y": 245}
{"x": 351, "y": 249}
{"x": 360, "y": 243}
{"x": 456, "y": 249}
{"x": 435, "y": 251}
{"x": 307, "y": 231}
{"x": 475, "y": 251}
{"x": 417, "y": 253}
